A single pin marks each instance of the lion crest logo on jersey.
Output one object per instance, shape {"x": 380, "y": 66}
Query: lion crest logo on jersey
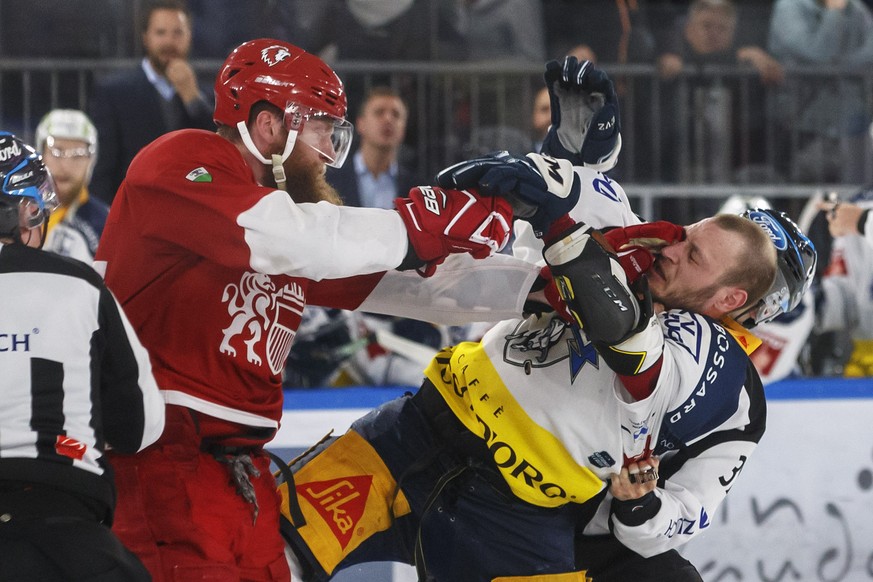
{"x": 275, "y": 54}
{"x": 255, "y": 307}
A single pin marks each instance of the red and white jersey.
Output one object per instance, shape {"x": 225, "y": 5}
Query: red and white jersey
{"x": 214, "y": 270}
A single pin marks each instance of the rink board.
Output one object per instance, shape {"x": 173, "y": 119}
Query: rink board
{"x": 801, "y": 510}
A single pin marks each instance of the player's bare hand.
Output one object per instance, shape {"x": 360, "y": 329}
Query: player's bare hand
{"x": 842, "y": 217}
{"x": 635, "y": 480}
{"x": 183, "y": 79}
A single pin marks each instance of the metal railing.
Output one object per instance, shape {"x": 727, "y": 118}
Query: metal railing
{"x": 711, "y": 132}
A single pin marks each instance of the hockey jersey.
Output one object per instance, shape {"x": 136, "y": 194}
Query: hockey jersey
{"x": 549, "y": 408}
{"x": 214, "y": 272}
{"x": 75, "y": 231}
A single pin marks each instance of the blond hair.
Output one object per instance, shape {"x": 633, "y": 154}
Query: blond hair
{"x": 754, "y": 269}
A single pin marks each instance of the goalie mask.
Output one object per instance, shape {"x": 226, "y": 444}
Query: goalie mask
{"x": 27, "y": 193}
{"x": 795, "y": 266}
{"x": 308, "y": 91}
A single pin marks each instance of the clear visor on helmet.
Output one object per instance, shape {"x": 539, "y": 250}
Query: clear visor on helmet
{"x": 775, "y": 302}
{"x": 328, "y": 135}
{"x": 36, "y": 203}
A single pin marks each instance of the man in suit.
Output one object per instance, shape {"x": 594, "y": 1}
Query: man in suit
{"x": 376, "y": 176}
{"x": 132, "y": 108}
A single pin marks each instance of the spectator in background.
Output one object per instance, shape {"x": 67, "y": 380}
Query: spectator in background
{"x": 68, "y": 142}
{"x": 377, "y": 174}
{"x": 50, "y": 30}
{"x": 825, "y": 116}
{"x": 708, "y": 35}
{"x": 373, "y": 30}
{"x": 82, "y": 383}
{"x": 219, "y": 26}
{"x": 338, "y": 347}
{"x": 132, "y": 108}
{"x": 511, "y": 30}
{"x": 601, "y": 31}
{"x": 713, "y": 130}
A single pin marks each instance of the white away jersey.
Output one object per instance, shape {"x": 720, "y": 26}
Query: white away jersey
{"x": 548, "y": 406}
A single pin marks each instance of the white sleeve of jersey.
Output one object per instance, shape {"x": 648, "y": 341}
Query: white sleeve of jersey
{"x": 321, "y": 241}
{"x": 463, "y": 290}
{"x": 710, "y": 429}
{"x": 689, "y": 500}
{"x": 837, "y": 309}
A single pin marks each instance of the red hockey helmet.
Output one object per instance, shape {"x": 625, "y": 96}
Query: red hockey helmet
{"x": 297, "y": 82}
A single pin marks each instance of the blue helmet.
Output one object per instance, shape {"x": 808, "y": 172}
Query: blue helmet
{"x": 27, "y": 192}
{"x": 795, "y": 266}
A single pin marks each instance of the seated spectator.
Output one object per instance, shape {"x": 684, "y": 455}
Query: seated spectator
{"x": 825, "y": 116}
{"x": 132, "y": 108}
{"x": 68, "y": 142}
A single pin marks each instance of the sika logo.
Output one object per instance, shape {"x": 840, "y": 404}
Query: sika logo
{"x": 70, "y": 447}
{"x": 339, "y": 502}
{"x": 275, "y": 54}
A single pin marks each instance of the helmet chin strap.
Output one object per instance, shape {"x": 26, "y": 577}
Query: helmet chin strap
{"x": 276, "y": 160}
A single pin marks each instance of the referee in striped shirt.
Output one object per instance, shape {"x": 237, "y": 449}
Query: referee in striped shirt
{"x": 74, "y": 381}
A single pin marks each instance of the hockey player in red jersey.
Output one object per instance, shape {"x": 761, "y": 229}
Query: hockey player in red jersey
{"x": 214, "y": 244}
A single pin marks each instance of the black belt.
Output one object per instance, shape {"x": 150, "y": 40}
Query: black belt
{"x": 29, "y": 502}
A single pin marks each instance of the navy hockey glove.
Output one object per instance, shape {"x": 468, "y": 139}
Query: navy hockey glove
{"x": 585, "y": 115}
{"x": 540, "y": 189}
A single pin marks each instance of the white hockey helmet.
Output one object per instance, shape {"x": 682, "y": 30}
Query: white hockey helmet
{"x": 66, "y": 124}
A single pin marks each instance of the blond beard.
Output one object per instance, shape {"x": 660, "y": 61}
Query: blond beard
{"x": 308, "y": 184}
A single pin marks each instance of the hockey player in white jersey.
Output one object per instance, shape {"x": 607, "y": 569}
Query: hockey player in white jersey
{"x": 606, "y": 422}
{"x": 845, "y": 298}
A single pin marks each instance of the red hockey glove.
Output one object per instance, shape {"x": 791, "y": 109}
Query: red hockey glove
{"x": 442, "y": 222}
{"x": 634, "y": 244}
